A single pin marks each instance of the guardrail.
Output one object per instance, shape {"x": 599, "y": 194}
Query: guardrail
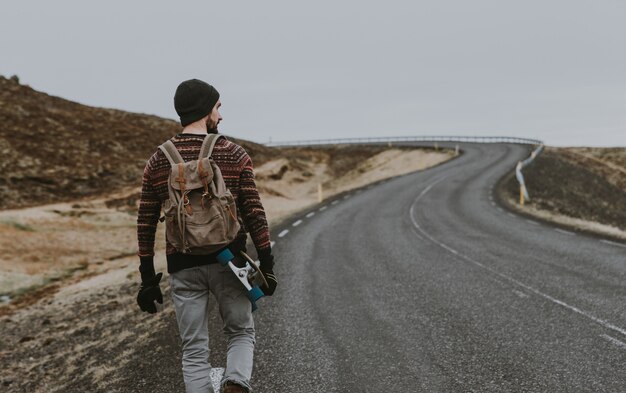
{"x": 523, "y": 191}
{"x": 467, "y": 139}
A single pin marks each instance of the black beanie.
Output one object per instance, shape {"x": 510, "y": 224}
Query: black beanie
{"x": 193, "y": 100}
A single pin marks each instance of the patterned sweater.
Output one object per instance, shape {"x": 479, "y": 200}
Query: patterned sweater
{"x": 238, "y": 174}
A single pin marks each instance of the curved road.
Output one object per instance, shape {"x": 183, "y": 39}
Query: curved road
{"x": 423, "y": 284}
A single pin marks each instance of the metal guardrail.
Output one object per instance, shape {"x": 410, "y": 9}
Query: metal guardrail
{"x": 523, "y": 191}
{"x": 467, "y": 139}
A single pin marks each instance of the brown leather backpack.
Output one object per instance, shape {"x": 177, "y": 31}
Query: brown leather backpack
{"x": 200, "y": 214}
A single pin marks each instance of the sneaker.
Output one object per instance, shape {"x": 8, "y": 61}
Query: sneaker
{"x": 232, "y": 387}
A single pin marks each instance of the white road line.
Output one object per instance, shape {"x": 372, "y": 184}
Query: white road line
{"x": 613, "y": 340}
{"x": 417, "y": 234}
{"x": 500, "y": 209}
{"x": 520, "y": 293}
{"x": 493, "y": 204}
{"x": 564, "y": 232}
{"x": 532, "y": 222}
{"x": 575, "y": 309}
{"x": 512, "y": 215}
{"x": 613, "y": 243}
{"x": 295, "y": 224}
{"x": 272, "y": 243}
{"x": 334, "y": 202}
{"x": 347, "y": 196}
{"x": 283, "y": 233}
{"x": 216, "y": 375}
{"x": 310, "y": 215}
{"x": 323, "y": 208}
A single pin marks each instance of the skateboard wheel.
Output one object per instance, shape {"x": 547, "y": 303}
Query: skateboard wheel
{"x": 224, "y": 257}
{"x": 255, "y": 294}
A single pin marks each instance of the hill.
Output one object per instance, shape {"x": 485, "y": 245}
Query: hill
{"x": 57, "y": 150}
{"x": 581, "y": 188}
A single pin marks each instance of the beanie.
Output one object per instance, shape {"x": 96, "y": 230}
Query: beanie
{"x": 193, "y": 100}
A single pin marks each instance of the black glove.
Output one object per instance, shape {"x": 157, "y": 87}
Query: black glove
{"x": 266, "y": 260}
{"x": 272, "y": 282}
{"x": 149, "y": 292}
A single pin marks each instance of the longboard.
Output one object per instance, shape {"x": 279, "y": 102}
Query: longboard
{"x": 250, "y": 275}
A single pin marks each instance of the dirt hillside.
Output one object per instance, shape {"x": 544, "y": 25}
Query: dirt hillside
{"x": 583, "y": 188}
{"x": 57, "y": 150}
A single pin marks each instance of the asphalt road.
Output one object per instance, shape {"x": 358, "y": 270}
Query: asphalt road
{"x": 424, "y": 284}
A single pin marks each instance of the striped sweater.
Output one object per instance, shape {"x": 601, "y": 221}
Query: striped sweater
{"x": 237, "y": 171}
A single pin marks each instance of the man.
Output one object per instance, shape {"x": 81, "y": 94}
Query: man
{"x": 192, "y": 277}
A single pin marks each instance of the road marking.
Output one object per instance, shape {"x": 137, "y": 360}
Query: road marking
{"x": 493, "y": 204}
{"x": 216, "y": 375}
{"x": 532, "y": 222}
{"x": 347, "y": 196}
{"x": 295, "y": 224}
{"x": 564, "y": 232}
{"x": 310, "y": 215}
{"x": 613, "y": 340}
{"x": 613, "y": 243}
{"x": 575, "y": 309}
{"x": 500, "y": 209}
{"x": 323, "y": 208}
{"x": 283, "y": 233}
{"x": 520, "y": 294}
{"x": 272, "y": 243}
{"x": 334, "y": 202}
{"x": 417, "y": 234}
{"x": 512, "y": 215}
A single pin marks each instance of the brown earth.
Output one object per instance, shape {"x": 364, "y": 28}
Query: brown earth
{"x": 57, "y": 150}
{"x": 582, "y": 188}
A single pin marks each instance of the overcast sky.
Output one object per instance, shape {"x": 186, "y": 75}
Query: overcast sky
{"x": 288, "y": 70}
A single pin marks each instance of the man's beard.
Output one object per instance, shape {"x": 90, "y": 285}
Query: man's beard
{"x": 211, "y": 128}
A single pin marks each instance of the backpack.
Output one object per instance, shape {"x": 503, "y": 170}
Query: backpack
{"x": 200, "y": 214}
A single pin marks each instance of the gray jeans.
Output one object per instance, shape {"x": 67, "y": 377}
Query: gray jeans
{"x": 190, "y": 294}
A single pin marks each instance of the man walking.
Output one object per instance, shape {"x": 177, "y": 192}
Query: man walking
{"x": 193, "y": 276}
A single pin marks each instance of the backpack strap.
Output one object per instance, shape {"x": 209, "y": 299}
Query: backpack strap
{"x": 171, "y": 152}
{"x": 176, "y": 160}
{"x": 208, "y": 144}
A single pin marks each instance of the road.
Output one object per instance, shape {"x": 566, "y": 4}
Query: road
{"x": 424, "y": 284}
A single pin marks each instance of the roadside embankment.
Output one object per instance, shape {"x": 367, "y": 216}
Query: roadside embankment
{"x": 580, "y": 188}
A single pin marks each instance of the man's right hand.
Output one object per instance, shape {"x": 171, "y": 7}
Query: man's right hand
{"x": 149, "y": 293}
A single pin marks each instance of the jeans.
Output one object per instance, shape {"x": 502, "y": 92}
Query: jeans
{"x": 190, "y": 294}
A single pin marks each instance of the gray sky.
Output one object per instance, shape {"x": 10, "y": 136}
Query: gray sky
{"x": 288, "y": 70}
